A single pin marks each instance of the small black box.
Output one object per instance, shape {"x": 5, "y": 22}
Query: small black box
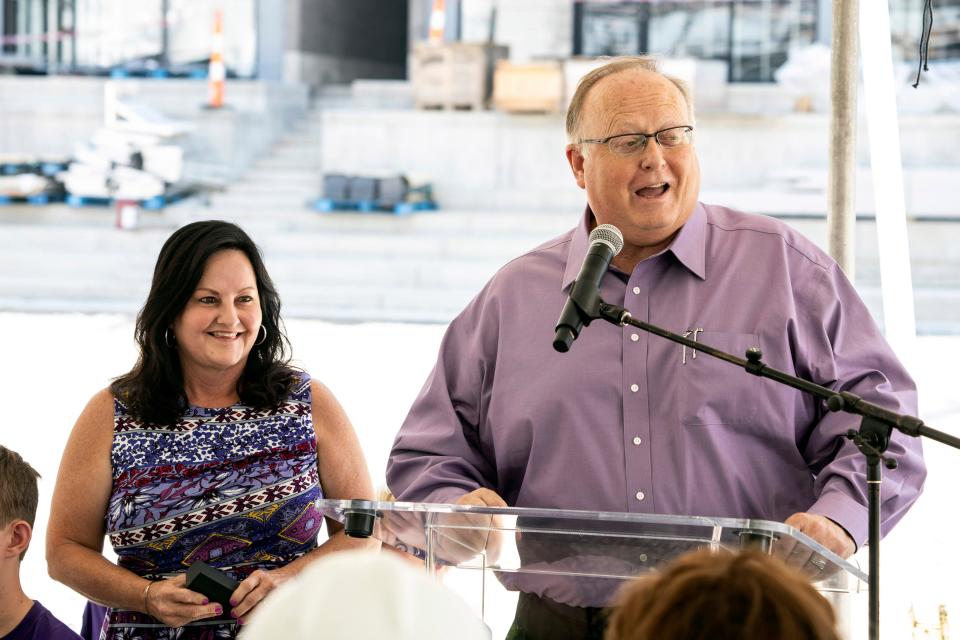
{"x": 213, "y": 583}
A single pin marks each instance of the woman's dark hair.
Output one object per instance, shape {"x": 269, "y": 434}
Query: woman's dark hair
{"x": 722, "y": 596}
{"x": 153, "y": 390}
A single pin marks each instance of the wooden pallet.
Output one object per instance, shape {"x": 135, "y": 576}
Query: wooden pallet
{"x": 36, "y": 199}
{"x": 533, "y": 87}
{"x": 150, "y": 204}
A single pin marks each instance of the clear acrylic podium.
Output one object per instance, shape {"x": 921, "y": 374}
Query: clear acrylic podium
{"x": 578, "y": 558}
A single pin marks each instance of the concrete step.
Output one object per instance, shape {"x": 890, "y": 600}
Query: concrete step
{"x": 283, "y": 198}
{"x": 370, "y": 276}
{"x": 281, "y": 175}
{"x": 278, "y": 179}
{"x": 301, "y": 138}
{"x": 284, "y": 164}
{"x": 937, "y": 309}
{"x": 255, "y": 189}
{"x": 304, "y": 132}
{"x": 381, "y": 262}
{"x": 310, "y": 232}
{"x": 304, "y": 154}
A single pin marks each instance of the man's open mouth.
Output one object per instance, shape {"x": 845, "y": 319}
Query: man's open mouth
{"x": 653, "y": 190}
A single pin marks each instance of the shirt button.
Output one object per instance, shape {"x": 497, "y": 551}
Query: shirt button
{"x": 636, "y": 290}
{"x": 634, "y": 388}
{"x": 637, "y": 440}
{"x": 640, "y": 495}
{"x": 634, "y": 337}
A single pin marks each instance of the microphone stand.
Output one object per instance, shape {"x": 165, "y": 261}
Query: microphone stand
{"x": 876, "y": 425}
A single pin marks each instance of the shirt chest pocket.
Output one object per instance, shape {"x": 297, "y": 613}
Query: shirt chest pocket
{"x": 712, "y": 391}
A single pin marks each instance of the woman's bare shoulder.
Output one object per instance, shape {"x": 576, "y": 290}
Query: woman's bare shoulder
{"x": 96, "y": 419}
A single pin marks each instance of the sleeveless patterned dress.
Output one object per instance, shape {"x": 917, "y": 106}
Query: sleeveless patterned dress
{"x": 234, "y": 487}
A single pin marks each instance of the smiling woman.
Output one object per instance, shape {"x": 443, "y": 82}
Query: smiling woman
{"x": 218, "y": 327}
{"x": 212, "y": 448}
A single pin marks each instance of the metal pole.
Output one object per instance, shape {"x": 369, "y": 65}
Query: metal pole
{"x": 164, "y": 33}
{"x": 73, "y": 35}
{"x": 883, "y": 133}
{"x": 766, "y": 41}
{"x": 873, "y": 492}
{"x": 841, "y": 215}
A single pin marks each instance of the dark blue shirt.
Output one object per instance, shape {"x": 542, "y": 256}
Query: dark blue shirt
{"x": 39, "y": 624}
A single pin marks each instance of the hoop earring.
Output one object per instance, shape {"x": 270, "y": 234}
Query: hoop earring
{"x": 260, "y": 341}
{"x": 166, "y": 339}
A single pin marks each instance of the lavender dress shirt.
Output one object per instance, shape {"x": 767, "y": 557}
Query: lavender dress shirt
{"x": 627, "y": 421}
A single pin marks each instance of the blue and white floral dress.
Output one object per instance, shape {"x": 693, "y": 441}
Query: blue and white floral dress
{"x": 234, "y": 487}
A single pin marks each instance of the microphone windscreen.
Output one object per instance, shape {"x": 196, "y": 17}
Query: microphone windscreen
{"x": 609, "y": 235}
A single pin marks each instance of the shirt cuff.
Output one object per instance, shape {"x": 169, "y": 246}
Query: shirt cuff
{"x": 846, "y": 512}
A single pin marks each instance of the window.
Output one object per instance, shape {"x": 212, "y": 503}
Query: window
{"x": 753, "y": 36}
{"x": 92, "y": 36}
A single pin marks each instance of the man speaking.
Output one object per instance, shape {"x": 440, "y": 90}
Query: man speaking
{"x": 628, "y": 421}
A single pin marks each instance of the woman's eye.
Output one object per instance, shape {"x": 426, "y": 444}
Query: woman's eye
{"x": 246, "y": 299}
{"x": 208, "y": 300}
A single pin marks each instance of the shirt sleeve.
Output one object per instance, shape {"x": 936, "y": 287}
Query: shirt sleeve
{"x": 437, "y": 455}
{"x": 846, "y": 352}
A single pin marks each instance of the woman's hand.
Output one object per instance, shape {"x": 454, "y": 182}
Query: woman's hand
{"x": 254, "y": 589}
{"x": 174, "y": 605}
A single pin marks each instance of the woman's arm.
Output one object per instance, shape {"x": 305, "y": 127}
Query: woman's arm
{"x": 343, "y": 469}
{"x": 343, "y": 474}
{"x": 76, "y": 529}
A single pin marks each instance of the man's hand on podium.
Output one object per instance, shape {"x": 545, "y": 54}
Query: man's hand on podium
{"x": 468, "y": 535}
{"x": 482, "y": 498}
{"x": 823, "y": 530}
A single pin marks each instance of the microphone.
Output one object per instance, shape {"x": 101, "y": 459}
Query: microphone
{"x": 583, "y": 305}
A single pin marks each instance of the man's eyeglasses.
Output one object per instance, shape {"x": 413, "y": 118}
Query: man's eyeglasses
{"x": 628, "y": 144}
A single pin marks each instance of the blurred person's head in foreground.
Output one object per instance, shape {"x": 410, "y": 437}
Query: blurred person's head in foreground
{"x": 722, "y": 596}
{"x": 361, "y": 594}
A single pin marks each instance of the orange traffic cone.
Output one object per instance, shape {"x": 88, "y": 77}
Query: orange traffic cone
{"x": 217, "y": 74}
{"x": 438, "y": 20}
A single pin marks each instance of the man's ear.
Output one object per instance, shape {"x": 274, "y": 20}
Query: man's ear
{"x": 575, "y": 158}
{"x": 15, "y": 539}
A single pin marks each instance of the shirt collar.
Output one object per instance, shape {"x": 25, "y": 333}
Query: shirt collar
{"x": 689, "y": 246}
{"x": 578, "y": 248}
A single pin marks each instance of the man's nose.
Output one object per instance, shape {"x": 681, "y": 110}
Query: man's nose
{"x": 651, "y": 157}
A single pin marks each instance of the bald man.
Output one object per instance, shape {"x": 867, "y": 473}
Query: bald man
{"x": 630, "y": 422}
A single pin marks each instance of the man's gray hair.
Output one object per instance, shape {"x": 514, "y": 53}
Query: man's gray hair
{"x": 616, "y": 65}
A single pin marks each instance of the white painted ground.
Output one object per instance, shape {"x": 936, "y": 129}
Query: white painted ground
{"x": 52, "y": 364}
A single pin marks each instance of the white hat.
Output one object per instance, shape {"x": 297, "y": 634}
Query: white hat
{"x": 360, "y": 595}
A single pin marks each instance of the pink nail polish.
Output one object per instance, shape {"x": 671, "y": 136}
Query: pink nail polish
{"x": 205, "y": 601}
{"x": 240, "y": 621}
{"x": 219, "y": 611}
{"x": 232, "y": 602}
{"x": 233, "y": 614}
